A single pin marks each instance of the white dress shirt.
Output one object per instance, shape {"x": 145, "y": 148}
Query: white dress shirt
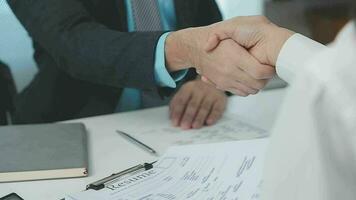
{"x": 312, "y": 154}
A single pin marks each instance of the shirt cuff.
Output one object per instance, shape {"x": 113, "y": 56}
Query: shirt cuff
{"x": 295, "y": 54}
{"x": 162, "y": 76}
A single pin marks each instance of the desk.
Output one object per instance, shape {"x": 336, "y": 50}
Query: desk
{"x": 110, "y": 153}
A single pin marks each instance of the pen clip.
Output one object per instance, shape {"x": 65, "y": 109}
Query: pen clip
{"x": 100, "y": 184}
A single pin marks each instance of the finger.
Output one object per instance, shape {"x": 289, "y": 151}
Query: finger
{"x": 252, "y": 83}
{"x": 242, "y": 77}
{"x": 220, "y": 82}
{"x": 203, "y": 113}
{"x": 246, "y": 89}
{"x": 177, "y": 107}
{"x": 216, "y": 112}
{"x": 237, "y": 92}
{"x": 207, "y": 81}
{"x": 253, "y": 67}
{"x": 191, "y": 111}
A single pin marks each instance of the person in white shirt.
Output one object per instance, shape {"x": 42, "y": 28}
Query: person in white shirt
{"x": 312, "y": 152}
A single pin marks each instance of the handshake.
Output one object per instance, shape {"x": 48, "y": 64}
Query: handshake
{"x": 238, "y": 55}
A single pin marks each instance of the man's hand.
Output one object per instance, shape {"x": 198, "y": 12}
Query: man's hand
{"x": 241, "y": 73}
{"x": 196, "y": 104}
{"x": 263, "y": 39}
{"x": 230, "y": 67}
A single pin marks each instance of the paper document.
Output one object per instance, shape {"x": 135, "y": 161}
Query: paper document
{"x": 229, "y": 128}
{"x": 230, "y": 170}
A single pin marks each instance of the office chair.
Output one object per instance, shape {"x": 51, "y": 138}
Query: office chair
{"x": 7, "y": 94}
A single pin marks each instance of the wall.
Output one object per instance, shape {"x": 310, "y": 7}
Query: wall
{"x": 15, "y": 47}
{"x": 232, "y": 8}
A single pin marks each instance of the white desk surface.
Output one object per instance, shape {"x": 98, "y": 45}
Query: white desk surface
{"x": 110, "y": 153}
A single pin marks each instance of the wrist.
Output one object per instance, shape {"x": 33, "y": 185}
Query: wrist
{"x": 280, "y": 36}
{"x": 183, "y": 47}
{"x": 176, "y": 58}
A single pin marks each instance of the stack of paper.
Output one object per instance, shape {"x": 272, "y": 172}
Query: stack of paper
{"x": 229, "y": 170}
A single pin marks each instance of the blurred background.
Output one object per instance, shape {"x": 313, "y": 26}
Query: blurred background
{"x": 318, "y": 19}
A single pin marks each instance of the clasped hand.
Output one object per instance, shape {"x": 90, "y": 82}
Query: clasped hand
{"x": 237, "y": 55}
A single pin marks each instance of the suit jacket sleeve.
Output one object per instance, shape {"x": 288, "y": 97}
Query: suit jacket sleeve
{"x": 86, "y": 49}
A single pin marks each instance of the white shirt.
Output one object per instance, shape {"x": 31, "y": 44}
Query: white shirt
{"x": 312, "y": 154}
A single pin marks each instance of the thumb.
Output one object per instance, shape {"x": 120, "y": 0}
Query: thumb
{"x": 245, "y": 35}
{"x": 212, "y": 43}
{"x": 215, "y": 37}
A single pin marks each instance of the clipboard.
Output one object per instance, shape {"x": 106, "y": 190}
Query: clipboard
{"x": 100, "y": 184}
{"x": 199, "y": 170}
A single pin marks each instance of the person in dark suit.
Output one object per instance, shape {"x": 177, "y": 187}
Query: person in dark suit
{"x": 98, "y": 57}
{"x": 86, "y": 56}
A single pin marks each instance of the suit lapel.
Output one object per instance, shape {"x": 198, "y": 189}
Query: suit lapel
{"x": 121, "y": 7}
{"x": 185, "y": 13}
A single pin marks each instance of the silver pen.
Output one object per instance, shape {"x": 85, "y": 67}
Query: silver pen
{"x": 137, "y": 142}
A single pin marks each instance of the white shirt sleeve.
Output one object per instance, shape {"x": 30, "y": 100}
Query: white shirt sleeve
{"x": 312, "y": 152}
{"x": 295, "y": 54}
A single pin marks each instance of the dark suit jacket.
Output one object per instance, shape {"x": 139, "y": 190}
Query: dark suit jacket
{"x": 86, "y": 56}
{"x": 7, "y": 92}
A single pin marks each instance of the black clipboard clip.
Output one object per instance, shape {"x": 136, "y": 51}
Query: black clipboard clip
{"x": 100, "y": 184}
